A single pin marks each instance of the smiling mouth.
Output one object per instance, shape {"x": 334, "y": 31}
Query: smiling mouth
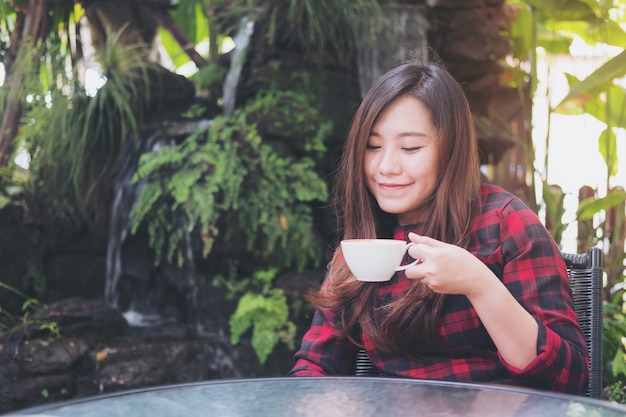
{"x": 391, "y": 187}
{"x": 383, "y": 185}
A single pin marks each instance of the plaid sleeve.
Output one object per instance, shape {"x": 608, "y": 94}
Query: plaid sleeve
{"x": 534, "y": 272}
{"x": 322, "y": 351}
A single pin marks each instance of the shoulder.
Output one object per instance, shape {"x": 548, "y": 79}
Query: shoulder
{"x": 503, "y": 213}
{"x": 507, "y": 229}
{"x": 494, "y": 196}
{"x": 495, "y": 199}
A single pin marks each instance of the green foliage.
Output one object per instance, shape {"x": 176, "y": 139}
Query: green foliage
{"x": 76, "y": 140}
{"x": 228, "y": 184}
{"x": 209, "y": 76}
{"x": 591, "y": 206}
{"x": 599, "y": 96}
{"x": 552, "y": 25}
{"x": 12, "y": 179}
{"x": 598, "y": 81}
{"x": 322, "y": 29}
{"x": 52, "y": 327}
{"x": 613, "y": 349}
{"x": 553, "y": 198}
{"x": 616, "y": 392}
{"x": 267, "y": 314}
{"x": 291, "y": 113}
{"x": 227, "y": 176}
{"x": 34, "y": 277}
{"x": 30, "y": 305}
{"x": 7, "y": 320}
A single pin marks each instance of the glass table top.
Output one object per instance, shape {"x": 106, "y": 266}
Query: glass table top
{"x": 329, "y": 397}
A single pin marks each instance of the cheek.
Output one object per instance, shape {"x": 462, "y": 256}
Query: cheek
{"x": 425, "y": 172}
{"x": 369, "y": 165}
{"x": 429, "y": 167}
{"x": 432, "y": 179}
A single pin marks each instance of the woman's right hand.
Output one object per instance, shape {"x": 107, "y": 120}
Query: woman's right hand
{"x": 447, "y": 268}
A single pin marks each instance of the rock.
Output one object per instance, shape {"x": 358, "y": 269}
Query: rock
{"x": 36, "y": 390}
{"x": 95, "y": 351}
{"x": 42, "y": 356}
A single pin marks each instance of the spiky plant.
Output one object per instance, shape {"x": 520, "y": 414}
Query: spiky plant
{"x": 324, "y": 30}
{"x": 77, "y": 140}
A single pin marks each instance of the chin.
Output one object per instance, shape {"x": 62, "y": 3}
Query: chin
{"x": 393, "y": 211}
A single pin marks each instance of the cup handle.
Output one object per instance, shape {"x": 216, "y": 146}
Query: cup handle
{"x": 415, "y": 262}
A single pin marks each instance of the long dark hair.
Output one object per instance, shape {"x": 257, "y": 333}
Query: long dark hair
{"x": 410, "y": 325}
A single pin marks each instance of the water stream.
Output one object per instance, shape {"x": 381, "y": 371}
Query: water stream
{"x": 124, "y": 196}
{"x": 242, "y": 40}
{"x": 126, "y": 193}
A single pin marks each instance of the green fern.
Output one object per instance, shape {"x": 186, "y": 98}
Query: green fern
{"x": 228, "y": 183}
{"x": 227, "y": 175}
{"x": 267, "y": 315}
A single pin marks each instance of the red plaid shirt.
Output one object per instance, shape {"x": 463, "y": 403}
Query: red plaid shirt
{"x": 511, "y": 240}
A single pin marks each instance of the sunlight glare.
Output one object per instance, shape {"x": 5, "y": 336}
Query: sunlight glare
{"x": 227, "y": 45}
{"x": 574, "y": 159}
{"x": 93, "y": 82}
{"x": 22, "y": 159}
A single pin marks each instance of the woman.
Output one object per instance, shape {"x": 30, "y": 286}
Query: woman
{"x": 489, "y": 300}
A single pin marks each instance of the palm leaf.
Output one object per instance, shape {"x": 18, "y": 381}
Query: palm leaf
{"x": 591, "y": 206}
{"x": 598, "y": 81}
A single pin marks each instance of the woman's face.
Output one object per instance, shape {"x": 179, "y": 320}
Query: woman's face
{"x": 401, "y": 158}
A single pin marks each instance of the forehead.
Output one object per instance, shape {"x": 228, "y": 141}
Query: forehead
{"x": 405, "y": 113}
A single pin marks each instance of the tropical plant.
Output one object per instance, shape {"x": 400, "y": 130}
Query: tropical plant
{"x": 266, "y": 312}
{"x": 552, "y": 26}
{"x": 614, "y": 357}
{"x": 92, "y": 129}
{"x": 231, "y": 186}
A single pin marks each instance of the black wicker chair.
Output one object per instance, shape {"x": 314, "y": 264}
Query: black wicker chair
{"x": 585, "y": 274}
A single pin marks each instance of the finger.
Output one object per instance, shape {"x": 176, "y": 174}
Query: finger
{"x": 422, "y": 246}
{"x": 414, "y": 272}
{"x": 429, "y": 241}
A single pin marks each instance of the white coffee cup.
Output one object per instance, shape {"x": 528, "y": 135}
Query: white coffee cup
{"x": 375, "y": 260}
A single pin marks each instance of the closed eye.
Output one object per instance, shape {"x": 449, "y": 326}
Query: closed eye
{"x": 414, "y": 149}
{"x": 372, "y": 147}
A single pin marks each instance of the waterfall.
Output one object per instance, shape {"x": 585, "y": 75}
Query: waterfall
{"x": 242, "y": 40}
{"x": 125, "y": 194}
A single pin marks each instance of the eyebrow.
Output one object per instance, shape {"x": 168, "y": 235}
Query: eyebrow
{"x": 409, "y": 134}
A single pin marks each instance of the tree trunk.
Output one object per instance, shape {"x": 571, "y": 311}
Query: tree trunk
{"x": 21, "y": 42}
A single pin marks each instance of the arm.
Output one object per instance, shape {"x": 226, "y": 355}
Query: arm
{"x": 528, "y": 311}
{"x": 322, "y": 351}
{"x": 448, "y": 269}
{"x": 534, "y": 272}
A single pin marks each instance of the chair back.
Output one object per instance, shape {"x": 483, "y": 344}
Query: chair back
{"x": 585, "y": 272}
{"x": 585, "y": 275}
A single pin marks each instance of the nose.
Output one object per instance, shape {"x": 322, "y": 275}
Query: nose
{"x": 389, "y": 163}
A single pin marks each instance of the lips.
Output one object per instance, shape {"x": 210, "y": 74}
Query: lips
{"x": 390, "y": 187}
